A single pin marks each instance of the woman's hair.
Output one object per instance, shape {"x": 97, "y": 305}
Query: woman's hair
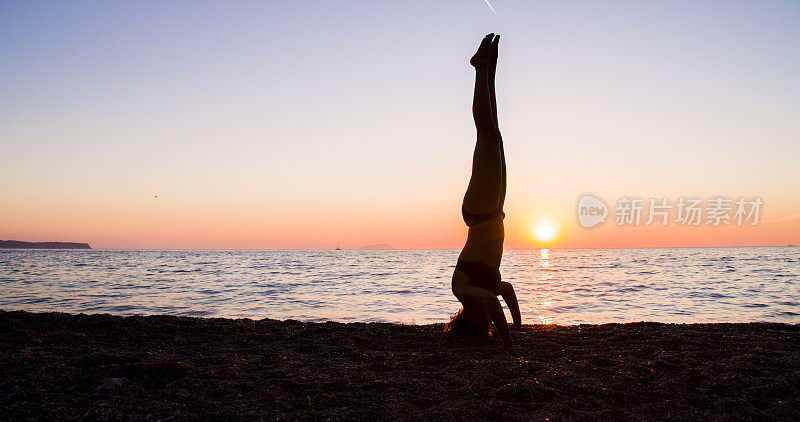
{"x": 469, "y": 322}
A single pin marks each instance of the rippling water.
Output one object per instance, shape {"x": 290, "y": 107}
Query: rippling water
{"x": 412, "y": 286}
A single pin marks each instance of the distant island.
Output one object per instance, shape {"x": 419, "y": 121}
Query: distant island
{"x": 19, "y": 244}
{"x": 378, "y": 246}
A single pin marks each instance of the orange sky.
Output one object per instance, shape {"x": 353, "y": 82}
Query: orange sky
{"x": 275, "y": 126}
{"x": 165, "y": 223}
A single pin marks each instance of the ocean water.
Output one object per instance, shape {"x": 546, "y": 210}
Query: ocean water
{"x": 559, "y": 286}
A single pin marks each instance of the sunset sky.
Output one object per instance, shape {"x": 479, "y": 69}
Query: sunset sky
{"x": 307, "y": 124}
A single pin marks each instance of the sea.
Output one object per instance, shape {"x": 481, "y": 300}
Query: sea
{"x": 554, "y": 286}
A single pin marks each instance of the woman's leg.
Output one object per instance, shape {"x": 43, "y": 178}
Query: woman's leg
{"x": 493, "y": 99}
{"x": 484, "y": 192}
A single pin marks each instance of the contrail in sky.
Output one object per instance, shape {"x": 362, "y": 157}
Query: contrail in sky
{"x": 490, "y": 6}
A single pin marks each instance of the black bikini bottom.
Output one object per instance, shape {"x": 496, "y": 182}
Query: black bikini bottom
{"x": 481, "y": 275}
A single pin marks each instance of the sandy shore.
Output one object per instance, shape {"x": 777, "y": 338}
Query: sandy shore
{"x": 61, "y": 366}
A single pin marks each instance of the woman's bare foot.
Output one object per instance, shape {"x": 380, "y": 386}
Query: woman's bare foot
{"x": 483, "y": 57}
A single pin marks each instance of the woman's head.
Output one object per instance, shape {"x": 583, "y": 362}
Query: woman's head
{"x": 470, "y": 321}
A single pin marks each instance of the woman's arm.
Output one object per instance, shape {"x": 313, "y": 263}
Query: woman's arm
{"x": 498, "y": 317}
{"x": 486, "y": 300}
{"x": 507, "y": 291}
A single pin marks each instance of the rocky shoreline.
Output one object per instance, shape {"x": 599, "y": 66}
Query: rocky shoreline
{"x": 59, "y": 366}
{"x": 19, "y": 244}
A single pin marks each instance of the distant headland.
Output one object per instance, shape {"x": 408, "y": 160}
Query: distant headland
{"x": 19, "y": 244}
{"x": 378, "y": 246}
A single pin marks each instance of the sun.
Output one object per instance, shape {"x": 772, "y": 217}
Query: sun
{"x": 544, "y": 231}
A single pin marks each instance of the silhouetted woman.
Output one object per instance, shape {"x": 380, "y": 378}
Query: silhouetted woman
{"x": 476, "y": 279}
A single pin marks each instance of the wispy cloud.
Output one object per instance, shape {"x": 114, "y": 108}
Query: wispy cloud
{"x": 785, "y": 218}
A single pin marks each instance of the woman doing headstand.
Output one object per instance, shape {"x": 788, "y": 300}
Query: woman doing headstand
{"x": 476, "y": 279}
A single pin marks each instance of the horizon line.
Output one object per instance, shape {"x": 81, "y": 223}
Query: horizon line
{"x": 403, "y": 249}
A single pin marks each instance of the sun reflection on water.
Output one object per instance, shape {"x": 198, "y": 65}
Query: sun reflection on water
{"x": 544, "y": 266}
{"x": 544, "y": 302}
